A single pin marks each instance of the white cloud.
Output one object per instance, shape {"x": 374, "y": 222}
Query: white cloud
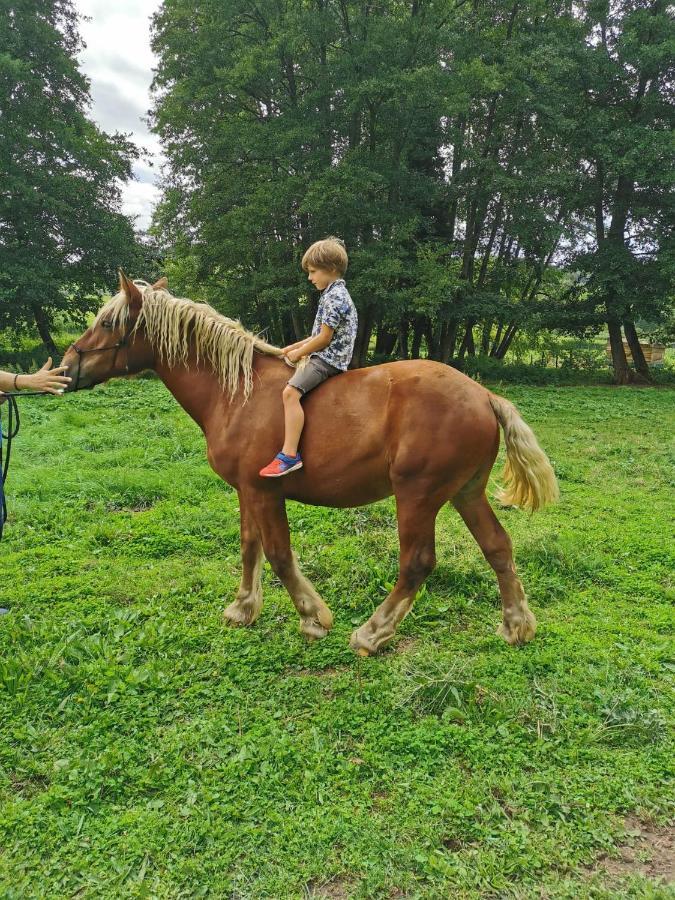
{"x": 139, "y": 200}
{"x": 118, "y": 61}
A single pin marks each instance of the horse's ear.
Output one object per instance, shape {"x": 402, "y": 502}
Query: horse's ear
{"x": 162, "y": 284}
{"x": 134, "y": 296}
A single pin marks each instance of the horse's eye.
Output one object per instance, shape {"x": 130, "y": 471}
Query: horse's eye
{"x": 106, "y": 323}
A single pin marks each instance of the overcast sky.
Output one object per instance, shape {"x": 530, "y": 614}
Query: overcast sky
{"x": 119, "y": 62}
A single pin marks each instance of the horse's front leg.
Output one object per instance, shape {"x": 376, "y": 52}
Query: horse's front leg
{"x": 269, "y": 512}
{"x": 248, "y": 604}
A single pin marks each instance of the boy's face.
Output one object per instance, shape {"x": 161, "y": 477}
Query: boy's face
{"x": 321, "y": 278}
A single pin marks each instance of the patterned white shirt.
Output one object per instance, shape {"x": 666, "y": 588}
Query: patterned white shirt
{"x": 337, "y": 310}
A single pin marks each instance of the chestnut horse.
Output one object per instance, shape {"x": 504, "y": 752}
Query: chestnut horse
{"x": 417, "y": 429}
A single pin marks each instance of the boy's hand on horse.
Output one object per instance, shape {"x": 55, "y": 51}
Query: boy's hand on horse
{"x": 297, "y": 345}
{"x": 294, "y": 355}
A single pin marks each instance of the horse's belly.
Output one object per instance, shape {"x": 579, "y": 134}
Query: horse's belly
{"x": 342, "y": 490}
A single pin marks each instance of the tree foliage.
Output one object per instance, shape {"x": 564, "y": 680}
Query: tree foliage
{"x": 625, "y": 140}
{"x": 61, "y": 232}
{"x": 453, "y": 145}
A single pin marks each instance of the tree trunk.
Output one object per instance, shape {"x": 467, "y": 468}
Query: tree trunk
{"x": 639, "y": 360}
{"x": 403, "y": 329}
{"x": 498, "y": 337}
{"x": 385, "y": 341}
{"x": 364, "y": 331}
{"x": 491, "y": 240}
{"x": 367, "y": 332}
{"x": 485, "y": 338}
{"x": 615, "y": 311}
{"x": 297, "y": 322}
{"x": 42, "y": 323}
{"x": 502, "y": 350}
{"x": 622, "y": 374}
{"x": 447, "y": 341}
{"x": 467, "y": 345}
{"x": 429, "y": 337}
{"x": 417, "y": 338}
{"x": 457, "y": 155}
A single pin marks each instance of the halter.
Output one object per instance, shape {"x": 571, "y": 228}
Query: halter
{"x": 80, "y": 353}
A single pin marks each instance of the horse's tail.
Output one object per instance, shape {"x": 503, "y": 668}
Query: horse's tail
{"x": 529, "y": 478}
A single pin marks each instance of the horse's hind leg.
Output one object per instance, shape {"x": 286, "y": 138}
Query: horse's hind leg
{"x": 248, "y": 604}
{"x": 416, "y": 528}
{"x": 518, "y": 624}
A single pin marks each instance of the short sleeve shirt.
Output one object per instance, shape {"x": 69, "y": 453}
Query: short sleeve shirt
{"x": 337, "y": 310}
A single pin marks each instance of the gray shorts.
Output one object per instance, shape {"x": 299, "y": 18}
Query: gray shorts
{"x": 316, "y": 371}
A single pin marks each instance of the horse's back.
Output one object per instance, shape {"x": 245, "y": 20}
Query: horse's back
{"x": 409, "y": 377}
{"x": 411, "y": 419}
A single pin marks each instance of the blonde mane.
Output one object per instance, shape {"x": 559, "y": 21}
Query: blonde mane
{"x": 174, "y": 324}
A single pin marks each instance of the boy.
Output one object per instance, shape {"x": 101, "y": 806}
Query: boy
{"x": 329, "y": 348}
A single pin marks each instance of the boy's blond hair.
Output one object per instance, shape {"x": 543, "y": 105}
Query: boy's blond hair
{"x": 329, "y": 254}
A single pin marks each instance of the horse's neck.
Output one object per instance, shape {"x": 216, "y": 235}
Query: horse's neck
{"x": 195, "y": 387}
{"x": 200, "y": 393}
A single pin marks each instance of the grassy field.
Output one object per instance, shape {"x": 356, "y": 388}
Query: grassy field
{"x": 148, "y": 751}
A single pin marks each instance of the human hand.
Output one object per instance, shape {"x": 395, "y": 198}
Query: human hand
{"x": 294, "y": 355}
{"x": 53, "y": 381}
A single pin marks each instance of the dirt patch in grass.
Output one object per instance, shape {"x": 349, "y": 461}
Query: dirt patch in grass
{"x": 648, "y": 850}
{"x": 379, "y": 799}
{"x": 29, "y": 785}
{"x": 337, "y": 889}
{"x": 328, "y": 672}
{"x": 404, "y": 644}
{"x": 116, "y": 506}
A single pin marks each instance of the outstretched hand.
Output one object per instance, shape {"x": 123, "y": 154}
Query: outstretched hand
{"x": 53, "y": 381}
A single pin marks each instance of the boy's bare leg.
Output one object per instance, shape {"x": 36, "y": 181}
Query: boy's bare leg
{"x": 294, "y": 420}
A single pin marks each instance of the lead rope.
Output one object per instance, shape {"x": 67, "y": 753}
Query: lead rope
{"x": 13, "y": 425}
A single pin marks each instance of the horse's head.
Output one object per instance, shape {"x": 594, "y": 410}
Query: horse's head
{"x": 112, "y": 345}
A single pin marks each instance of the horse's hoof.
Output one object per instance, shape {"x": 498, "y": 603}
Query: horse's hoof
{"x": 519, "y": 631}
{"x": 312, "y": 630}
{"x": 360, "y": 643}
{"x": 239, "y": 616}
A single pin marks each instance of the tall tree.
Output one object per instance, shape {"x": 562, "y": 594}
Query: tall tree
{"x": 510, "y": 174}
{"x": 624, "y": 135}
{"x": 62, "y": 235}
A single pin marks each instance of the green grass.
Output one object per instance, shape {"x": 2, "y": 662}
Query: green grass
{"x": 148, "y": 751}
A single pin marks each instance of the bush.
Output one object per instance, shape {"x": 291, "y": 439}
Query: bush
{"x": 485, "y": 368}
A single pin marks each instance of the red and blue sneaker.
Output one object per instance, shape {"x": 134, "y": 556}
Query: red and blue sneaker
{"x": 281, "y": 465}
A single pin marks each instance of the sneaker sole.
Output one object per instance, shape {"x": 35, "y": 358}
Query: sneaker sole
{"x": 287, "y": 472}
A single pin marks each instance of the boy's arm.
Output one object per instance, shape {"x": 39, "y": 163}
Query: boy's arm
{"x": 311, "y": 345}
{"x": 287, "y": 350}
